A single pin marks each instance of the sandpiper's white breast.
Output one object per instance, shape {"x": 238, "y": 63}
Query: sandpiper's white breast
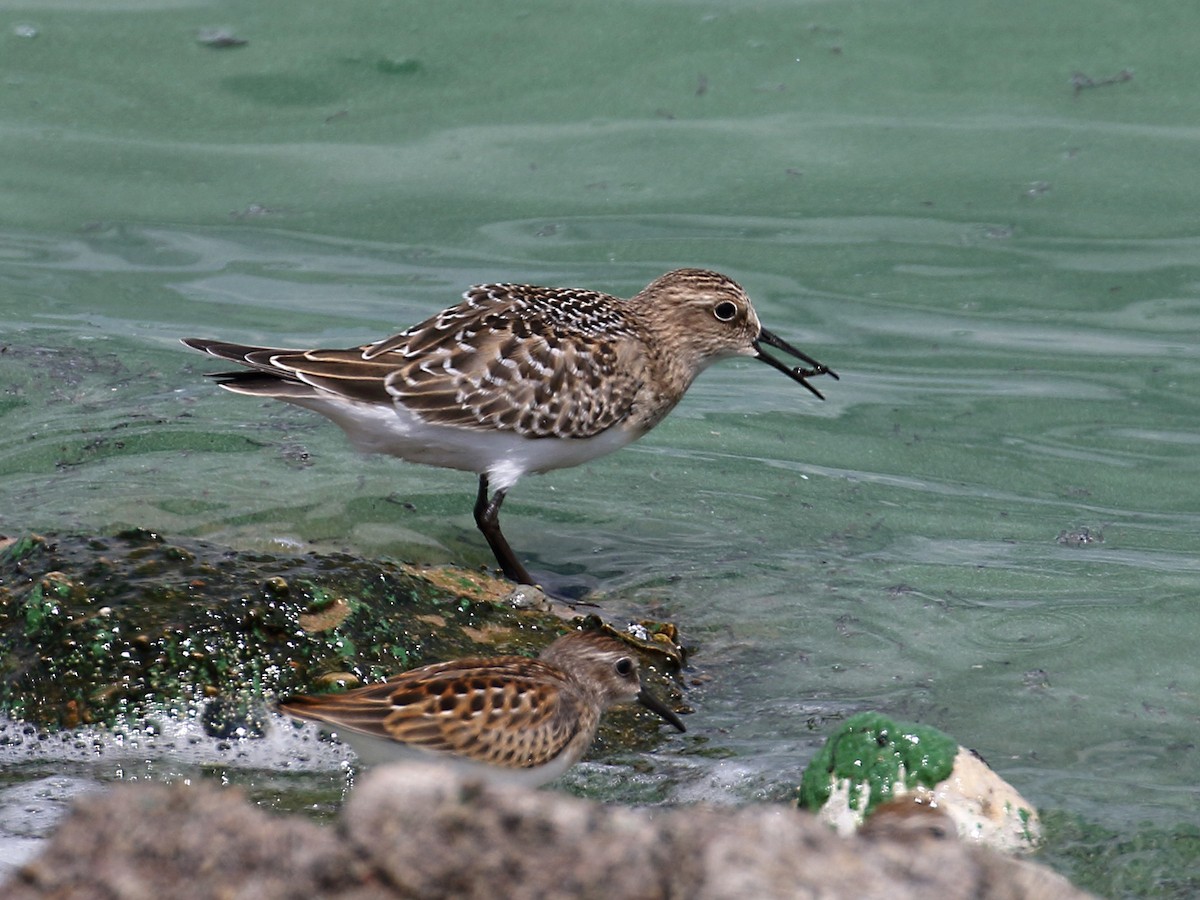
{"x": 504, "y": 456}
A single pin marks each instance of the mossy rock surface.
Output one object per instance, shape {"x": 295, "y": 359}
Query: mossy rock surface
{"x": 108, "y": 629}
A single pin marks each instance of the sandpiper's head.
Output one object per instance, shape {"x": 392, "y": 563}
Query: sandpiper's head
{"x": 711, "y": 315}
{"x": 606, "y": 667}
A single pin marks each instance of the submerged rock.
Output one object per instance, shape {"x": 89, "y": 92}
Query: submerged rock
{"x": 425, "y": 831}
{"x": 894, "y": 779}
{"x": 118, "y": 630}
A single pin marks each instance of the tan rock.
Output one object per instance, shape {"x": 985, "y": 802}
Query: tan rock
{"x": 421, "y": 831}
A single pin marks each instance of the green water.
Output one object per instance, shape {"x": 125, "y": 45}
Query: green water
{"x": 1004, "y": 269}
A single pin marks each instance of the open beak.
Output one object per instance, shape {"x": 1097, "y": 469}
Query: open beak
{"x": 653, "y": 704}
{"x": 797, "y": 373}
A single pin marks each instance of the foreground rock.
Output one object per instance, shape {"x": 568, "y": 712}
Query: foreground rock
{"x": 420, "y": 831}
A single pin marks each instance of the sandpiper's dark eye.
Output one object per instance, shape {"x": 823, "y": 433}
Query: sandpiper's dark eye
{"x": 624, "y": 666}
{"x": 725, "y": 310}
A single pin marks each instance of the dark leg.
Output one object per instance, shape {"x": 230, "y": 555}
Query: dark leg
{"x": 487, "y": 517}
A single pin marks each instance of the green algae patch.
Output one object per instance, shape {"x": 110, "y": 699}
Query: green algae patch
{"x": 871, "y": 749}
{"x": 116, "y": 629}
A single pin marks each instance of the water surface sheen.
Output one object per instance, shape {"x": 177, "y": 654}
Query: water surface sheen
{"x": 1004, "y": 270}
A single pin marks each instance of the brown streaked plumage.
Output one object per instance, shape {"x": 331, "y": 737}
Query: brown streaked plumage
{"x": 512, "y": 717}
{"x": 519, "y": 378}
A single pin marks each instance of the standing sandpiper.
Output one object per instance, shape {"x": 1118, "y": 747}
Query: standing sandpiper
{"x": 511, "y": 718}
{"x": 518, "y": 378}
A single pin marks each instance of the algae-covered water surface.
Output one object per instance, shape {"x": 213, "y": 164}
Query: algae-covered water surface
{"x": 982, "y": 216}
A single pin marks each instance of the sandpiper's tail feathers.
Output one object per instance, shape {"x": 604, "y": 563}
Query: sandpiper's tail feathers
{"x": 260, "y": 379}
{"x": 366, "y": 713}
{"x": 296, "y": 375}
{"x": 243, "y": 354}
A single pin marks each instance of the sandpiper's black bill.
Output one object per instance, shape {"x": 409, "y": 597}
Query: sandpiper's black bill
{"x": 796, "y": 373}
{"x": 655, "y": 705}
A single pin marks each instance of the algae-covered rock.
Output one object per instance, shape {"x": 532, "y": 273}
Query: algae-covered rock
{"x": 116, "y": 628}
{"x": 874, "y": 766}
